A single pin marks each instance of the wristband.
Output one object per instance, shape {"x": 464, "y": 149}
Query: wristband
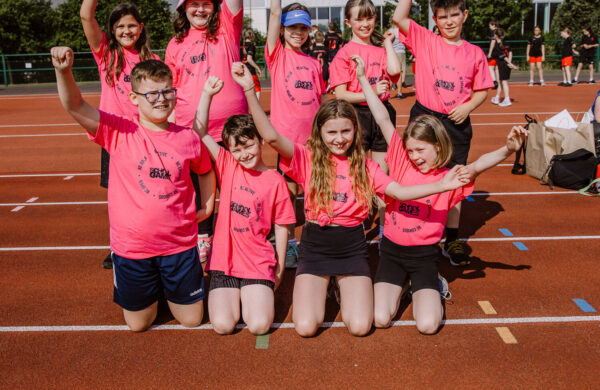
{"x": 249, "y": 89}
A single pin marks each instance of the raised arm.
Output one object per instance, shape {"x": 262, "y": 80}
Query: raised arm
{"x": 274, "y": 25}
{"x": 280, "y": 143}
{"x": 234, "y": 6}
{"x": 91, "y": 28}
{"x": 70, "y": 97}
{"x": 515, "y": 139}
{"x": 393, "y": 63}
{"x": 455, "y": 178}
{"x": 375, "y": 105}
{"x": 401, "y": 13}
{"x": 212, "y": 86}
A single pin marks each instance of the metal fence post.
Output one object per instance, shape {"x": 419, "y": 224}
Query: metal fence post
{"x": 4, "y": 71}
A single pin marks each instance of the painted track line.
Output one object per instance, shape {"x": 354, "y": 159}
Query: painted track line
{"x": 50, "y": 175}
{"x": 506, "y": 113}
{"x": 41, "y": 125}
{"x": 41, "y": 135}
{"x": 54, "y": 203}
{"x": 289, "y": 325}
{"x": 486, "y": 239}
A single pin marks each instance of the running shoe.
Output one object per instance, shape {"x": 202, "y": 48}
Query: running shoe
{"x": 542, "y": 83}
{"x": 444, "y": 290}
{"x": 455, "y": 252}
{"x": 107, "y": 262}
{"x": 495, "y": 100}
{"x": 592, "y": 82}
{"x": 530, "y": 84}
{"x": 204, "y": 244}
{"x": 505, "y": 103}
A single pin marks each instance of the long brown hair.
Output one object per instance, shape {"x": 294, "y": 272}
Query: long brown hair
{"x": 182, "y": 25}
{"x": 430, "y": 129}
{"x": 366, "y": 9}
{"x": 322, "y": 179}
{"x": 113, "y": 56}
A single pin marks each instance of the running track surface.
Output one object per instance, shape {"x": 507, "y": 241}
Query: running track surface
{"x": 524, "y": 314}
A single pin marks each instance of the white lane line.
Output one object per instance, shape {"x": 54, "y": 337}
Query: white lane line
{"x": 524, "y": 193}
{"x": 31, "y": 200}
{"x": 54, "y": 203}
{"x": 69, "y": 177}
{"x": 41, "y": 125}
{"x": 40, "y": 135}
{"x": 18, "y": 208}
{"x": 289, "y": 325}
{"x": 486, "y": 239}
{"x": 531, "y": 114}
{"x": 49, "y": 175}
{"x": 21, "y": 206}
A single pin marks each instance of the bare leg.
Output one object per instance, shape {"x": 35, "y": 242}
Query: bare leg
{"x": 387, "y": 301}
{"x": 188, "y": 315}
{"x": 454, "y": 217}
{"x": 531, "y": 72}
{"x": 541, "y": 71}
{"x": 258, "y": 308}
{"x": 310, "y": 293}
{"x": 356, "y": 303}
{"x": 578, "y": 70}
{"x": 224, "y": 309}
{"x": 140, "y": 320}
{"x": 427, "y": 310}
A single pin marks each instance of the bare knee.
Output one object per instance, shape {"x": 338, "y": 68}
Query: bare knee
{"x": 359, "y": 326}
{"x": 428, "y": 325}
{"x": 381, "y": 319}
{"x": 306, "y": 328}
{"x": 191, "y": 321}
{"x": 138, "y": 326}
{"x": 259, "y": 327}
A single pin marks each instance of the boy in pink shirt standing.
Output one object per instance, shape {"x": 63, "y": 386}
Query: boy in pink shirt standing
{"x": 242, "y": 266}
{"x": 451, "y": 80}
{"x": 151, "y": 201}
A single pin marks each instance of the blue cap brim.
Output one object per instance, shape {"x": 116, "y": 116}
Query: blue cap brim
{"x": 296, "y": 17}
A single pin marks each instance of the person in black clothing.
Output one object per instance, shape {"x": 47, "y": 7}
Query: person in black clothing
{"x": 319, "y": 51}
{"x": 589, "y": 46}
{"x": 536, "y": 54}
{"x": 503, "y": 56}
{"x": 247, "y": 55}
{"x": 567, "y": 57}
{"x": 333, "y": 40}
{"x": 492, "y": 64}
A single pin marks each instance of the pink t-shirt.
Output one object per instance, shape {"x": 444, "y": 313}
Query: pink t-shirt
{"x": 346, "y": 210}
{"x": 418, "y": 221}
{"x": 150, "y": 194}
{"x": 296, "y": 95}
{"x": 115, "y": 98}
{"x": 343, "y": 71}
{"x": 249, "y": 202}
{"x": 445, "y": 74}
{"x": 196, "y": 58}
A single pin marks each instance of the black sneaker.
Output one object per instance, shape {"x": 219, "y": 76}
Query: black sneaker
{"x": 568, "y": 85}
{"x": 495, "y": 85}
{"x": 107, "y": 262}
{"x": 592, "y": 82}
{"x": 561, "y": 84}
{"x": 455, "y": 252}
{"x": 399, "y": 96}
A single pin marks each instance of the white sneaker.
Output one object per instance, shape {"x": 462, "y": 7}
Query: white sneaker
{"x": 530, "y": 84}
{"x": 505, "y": 103}
{"x": 542, "y": 83}
{"x": 496, "y": 100}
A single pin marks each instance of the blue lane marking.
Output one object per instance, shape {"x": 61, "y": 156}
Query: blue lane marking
{"x": 506, "y": 232}
{"x": 470, "y": 199}
{"x": 521, "y": 246}
{"x": 583, "y": 305}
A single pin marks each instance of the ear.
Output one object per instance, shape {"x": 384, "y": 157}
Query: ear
{"x": 347, "y": 23}
{"x": 133, "y": 98}
{"x": 465, "y": 15}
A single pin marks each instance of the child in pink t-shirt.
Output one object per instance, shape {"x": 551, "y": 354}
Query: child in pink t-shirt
{"x": 383, "y": 69}
{"x": 413, "y": 228}
{"x": 451, "y": 80}
{"x": 298, "y": 85}
{"x": 125, "y": 34}
{"x": 151, "y": 203}
{"x": 207, "y": 41}
{"x": 340, "y": 183}
{"x": 242, "y": 266}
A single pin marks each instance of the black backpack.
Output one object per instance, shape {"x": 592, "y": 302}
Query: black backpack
{"x": 573, "y": 171}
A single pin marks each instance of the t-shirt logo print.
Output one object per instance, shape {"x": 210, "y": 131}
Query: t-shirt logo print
{"x": 151, "y": 179}
{"x": 297, "y": 88}
{"x": 449, "y": 84}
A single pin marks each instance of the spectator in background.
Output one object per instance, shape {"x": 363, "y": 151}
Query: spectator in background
{"x": 566, "y": 60}
{"x": 333, "y": 40}
{"x": 536, "y": 55}
{"x": 492, "y": 64}
{"x": 319, "y": 51}
{"x": 247, "y": 55}
{"x": 400, "y": 50}
{"x": 589, "y": 45}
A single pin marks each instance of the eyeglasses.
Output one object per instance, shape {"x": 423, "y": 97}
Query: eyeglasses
{"x": 153, "y": 96}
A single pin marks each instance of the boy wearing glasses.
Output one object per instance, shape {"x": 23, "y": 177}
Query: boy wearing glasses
{"x": 151, "y": 200}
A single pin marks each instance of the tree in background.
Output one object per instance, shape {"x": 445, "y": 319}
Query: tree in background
{"x": 156, "y": 14}
{"x": 576, "y": 15}
{"x": 27, "y": 26}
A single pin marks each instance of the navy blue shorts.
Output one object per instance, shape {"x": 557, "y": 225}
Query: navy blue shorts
{"x": 138, "y": 283}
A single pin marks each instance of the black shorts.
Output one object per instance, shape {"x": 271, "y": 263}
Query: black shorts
{"x": 333, "y": 251}
{"x": 218, "y": 279}
{"x": 104, "y": 163}
{"x": 503, "y": 71}
{"x": 587, "y": 59}
{"x": 398, "y": 263}
{"x": 372, "y": 137}
{"x": 460, "y": 135}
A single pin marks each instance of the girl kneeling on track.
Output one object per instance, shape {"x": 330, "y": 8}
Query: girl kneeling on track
{"x": 339, "y": 182}
{"x": 409, "y": 250}
{"x": 242, "y": 266}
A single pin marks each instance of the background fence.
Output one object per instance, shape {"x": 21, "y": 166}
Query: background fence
{"x": 37, "y": 68}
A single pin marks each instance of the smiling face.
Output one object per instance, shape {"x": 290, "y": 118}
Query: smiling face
{"x": 127, "y": 31}
{"x": 198, "y": 13}
{"x": 295, "y": 35}
{"x": 248, "y": 152}
{"x": 156, "y": 112}
{"x": 362, "y": 26}
{"x": 422, "y": 153}
{"x": 450, "y": 22}
{"x": 338, "y": 135}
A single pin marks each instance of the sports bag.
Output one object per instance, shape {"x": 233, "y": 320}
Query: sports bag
{"x": 573, "y": 170}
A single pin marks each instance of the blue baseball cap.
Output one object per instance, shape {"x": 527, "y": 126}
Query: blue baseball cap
{"x": 296, "y": 16}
